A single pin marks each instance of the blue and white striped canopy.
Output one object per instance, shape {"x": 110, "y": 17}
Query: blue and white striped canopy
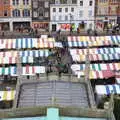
{"x": 35, "y": 53}
{"x": 107, "y": 89}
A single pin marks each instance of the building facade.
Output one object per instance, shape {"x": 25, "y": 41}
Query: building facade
{"x": 41, "y": 15}
{"x": 20, "y": 15}
{"x": 5, "y": 14}
{"x": 67, "y": 14}
{"x": 107, "y": 13}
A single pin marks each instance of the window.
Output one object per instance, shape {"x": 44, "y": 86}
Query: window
{"x": 63, "y": 1}
{"x": 66, "y": 9}
{"x": 82, "y": 25}
{"x": 90, "y": 13}
{"x": 60, "y": 9}
{"x": 46, "y": 4}
{"x": 35, "y": 4}
{"x": 71, "y": 17}
{"x": 66, "y": 17}
{"x": 15, "y": 2}
{"x": 74, "y": 1}
{"x": 41, "y": 3}
{"x": 35, "y": 14}
{"x": 5, "y": 13}
{"x": 80, "y": 13}
{"x": 60, "y": 17}
{"x": 72, "y": 9}
{"x": 81, "y": 3}
{"x": 46, "y": 14}
{"x": 54, "y": 18}
{"x": 41, "y": 12}
{"x": 52, "y": 1}
{"x": 90, "y": 3}
{"x": 25, "y": 2}
{"x": 6, "y": 2}
{"x": 16, "y": 13}
{"x": 54, "y": 9}
{"x": 26, "y": 13}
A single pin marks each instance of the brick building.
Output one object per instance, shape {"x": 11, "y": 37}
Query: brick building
{"x": 21, "y": 15}
{"x": 41, "y": 14}
{"x": 5, "y": 13}
{"x": 107, "y": 13}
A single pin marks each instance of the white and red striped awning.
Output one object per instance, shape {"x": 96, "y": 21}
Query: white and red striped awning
{"x": 97, "y": 74}
{"x": 32, "y": 70}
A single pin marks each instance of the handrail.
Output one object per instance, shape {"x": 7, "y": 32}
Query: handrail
{"x": 90, "y": 90}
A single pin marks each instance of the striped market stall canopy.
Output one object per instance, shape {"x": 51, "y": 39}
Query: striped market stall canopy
{"x": 11, "y": 57}
{"x": 27, "y": 70}
{"x": 95, "y": 54}
{"x": 23, "y": 43}
{"x": 97, "y": 67}
{"x": 35, "y": 53}
{"x": 95, "y": 51}
{"x": 101, "y": 74}
{"x": 7, "y": 95}
{"x": 26, "y": 53}
{"x": 84, "y": 41}
{"x": 107, "y": 89}
{"x": 96, "y": 57}
{"x": 32, "y": 70}
{"x": 97, "y": 74}
{"x": 13, "y": 60}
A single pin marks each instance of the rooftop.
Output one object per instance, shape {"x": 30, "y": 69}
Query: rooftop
{"x": 53, "y": 93}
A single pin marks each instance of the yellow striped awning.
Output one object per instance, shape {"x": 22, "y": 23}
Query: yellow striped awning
{"x": 7, "y": 95}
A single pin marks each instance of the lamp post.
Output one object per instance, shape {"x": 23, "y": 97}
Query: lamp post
{"x": 118, "y": 14}
{"x": 70, "y": 23}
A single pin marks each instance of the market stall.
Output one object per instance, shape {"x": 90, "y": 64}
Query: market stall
{"x": 7, "y": 95}
{"x": 107, "y": 89}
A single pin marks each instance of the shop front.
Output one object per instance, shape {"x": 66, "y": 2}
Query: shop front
{"x": 41, "y": 26}
{"x": 73, "y": 26}
{"x": 21, "y": 26}
{"x": 4, "y": 26}
{"x": 66, "y": 27}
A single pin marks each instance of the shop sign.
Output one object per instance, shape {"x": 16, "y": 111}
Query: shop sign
{"x": 66, "y": 27}
{"x": 40, "y": 25}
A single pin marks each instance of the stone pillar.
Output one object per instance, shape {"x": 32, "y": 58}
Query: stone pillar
{"x": 11, "y": 25}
